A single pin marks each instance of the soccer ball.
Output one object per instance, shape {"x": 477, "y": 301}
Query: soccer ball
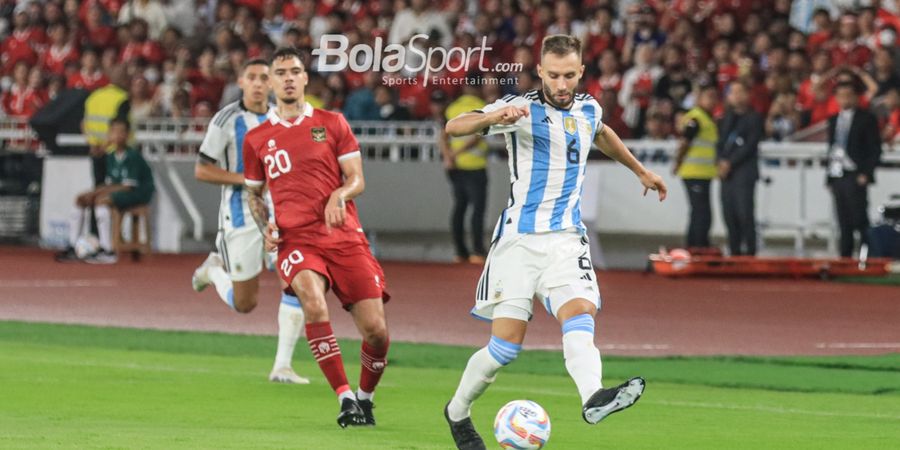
{"x": 86, "y": 246}
{"x": 523, "y": 425}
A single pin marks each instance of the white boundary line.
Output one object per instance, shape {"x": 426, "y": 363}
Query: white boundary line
{"x": 74, "y": 283}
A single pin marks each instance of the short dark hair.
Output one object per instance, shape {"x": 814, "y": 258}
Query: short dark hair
{"x": 286, "y": 53}
{"x": 254, "y": 62}
{"x": 561, "y": 45}
{"x": 122, "y": 121}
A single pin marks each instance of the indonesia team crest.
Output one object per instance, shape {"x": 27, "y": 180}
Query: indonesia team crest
{"x": 570, "y": 125}
{"x": 318, "y": 134}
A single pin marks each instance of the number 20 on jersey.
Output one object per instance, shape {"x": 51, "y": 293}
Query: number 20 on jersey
{"x": 277, "y": 163}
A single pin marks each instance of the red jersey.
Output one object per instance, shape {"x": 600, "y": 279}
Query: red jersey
{"x": 89, "y": 81}
{"x": 300, "y": 163}
{"x": 54, "y": 59}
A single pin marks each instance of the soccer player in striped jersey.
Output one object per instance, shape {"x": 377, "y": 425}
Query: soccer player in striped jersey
{"x": 540, "y": 247}
{"x": 234, "y": 270}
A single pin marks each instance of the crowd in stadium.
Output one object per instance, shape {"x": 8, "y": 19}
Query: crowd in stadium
{"x": 643, "y": 59}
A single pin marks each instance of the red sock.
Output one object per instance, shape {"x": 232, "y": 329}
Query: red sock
{"x": 373, "y": 363}
{"x": 327, "y": 353}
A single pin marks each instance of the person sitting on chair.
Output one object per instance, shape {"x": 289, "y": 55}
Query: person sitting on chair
{"x": 129, "y": 183}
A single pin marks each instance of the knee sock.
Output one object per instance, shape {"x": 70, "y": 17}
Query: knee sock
{"x": 582, "y": 356}
{"x": 290, "y": 327}
{"x": 480, "y": 372}
{"x": 77, "y": 225}
{"x": 327, "y": 353}
{"x": 222, "y": 281}
{"x": 104, "y": 226}
{"x": 374, "y": 360}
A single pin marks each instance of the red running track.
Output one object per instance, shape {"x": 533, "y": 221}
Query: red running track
{"x": 641, "y": 315}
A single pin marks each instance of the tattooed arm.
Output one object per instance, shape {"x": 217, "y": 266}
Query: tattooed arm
{"x": 260, "y": 212}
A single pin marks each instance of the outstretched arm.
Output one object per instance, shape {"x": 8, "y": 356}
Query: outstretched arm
{"x": 610, "y": 144}
{"x": 474, "y": 122}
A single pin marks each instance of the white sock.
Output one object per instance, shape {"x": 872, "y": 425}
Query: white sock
{"x": 290, "y": 326}
{"x": 363, "y": 395}
{"x": 222, "y": 281}
{"x": 78, "y": 223}
{"x": 104, "y": 226}
{"x": 582, "y": 356}
{"x": 346, "y": 394}
{"x": 480, "y": 372}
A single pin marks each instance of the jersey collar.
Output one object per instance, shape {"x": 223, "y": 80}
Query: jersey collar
{"x": 307, "y": 112}
{"x": 540, "y": 93}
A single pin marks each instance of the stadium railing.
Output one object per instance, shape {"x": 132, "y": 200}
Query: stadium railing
{"x": 168, "y": 139}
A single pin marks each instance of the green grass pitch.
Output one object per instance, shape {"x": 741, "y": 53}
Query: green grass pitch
{"x": 65, "y": 386}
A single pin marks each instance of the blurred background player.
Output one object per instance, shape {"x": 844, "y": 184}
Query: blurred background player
{"x": 128, "y": 183}
{"x": 309, "y": 158}
{"x": 695, "y": 163}
{"x": 235, "y": 269}
{"x": 540, "y": 248}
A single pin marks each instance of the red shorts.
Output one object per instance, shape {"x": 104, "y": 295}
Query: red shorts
{"x": 352, "y": 272}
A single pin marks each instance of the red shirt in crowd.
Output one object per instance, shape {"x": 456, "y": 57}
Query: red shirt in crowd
{"x": 853, "y": 54}
{"x": 149, "y": 50}
{"x": 204, "y": 88}
{"x": 21, "y": 46}
{"x": 23, "y": 102}
{"x": 54, "y": 59}
{"x": 89, "y": 81}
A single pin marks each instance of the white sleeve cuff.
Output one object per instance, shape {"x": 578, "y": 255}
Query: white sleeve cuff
{"x": 347, "y": 156}
{"x": 253, "y": 183}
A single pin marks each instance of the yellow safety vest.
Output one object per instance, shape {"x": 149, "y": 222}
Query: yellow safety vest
{"x": 475, "y": 157}
{"x": 99, "y": 108}
{"x": 700, "y": 161}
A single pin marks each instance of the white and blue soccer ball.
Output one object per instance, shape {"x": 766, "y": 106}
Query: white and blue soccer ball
{"x": 522, "y": 425}
{"x": 86, "y": 246}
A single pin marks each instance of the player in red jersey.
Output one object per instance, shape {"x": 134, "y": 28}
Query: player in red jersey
{"x": 310, "y": 161}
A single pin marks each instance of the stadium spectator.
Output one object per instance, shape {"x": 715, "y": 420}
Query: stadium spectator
{"x": 847, "y": 48}
{"x": 138, "y": 45}
{"x": 783, "y": 119}
{"x": 151, "y": 11}
{"x": 419, "y": 17}
{"x": 890, "y": 114}
{"x": 674, "y": 85}
{"x": 97, "y": 33}
{"x": 89, "y": 75}
{"x": 883, "y": 71}
{"x": 25, "y": 96}
{"x": 61, "y": 50}
{"x": 637, "y": 88}
{"x": 388, "y": 108}
{"x": 465, "y": 159}
{"x": 737, "y": 155}
{"x": 22, "y": 44}
{"x": 854, "y": 149}
{"x": 141, "y": 99}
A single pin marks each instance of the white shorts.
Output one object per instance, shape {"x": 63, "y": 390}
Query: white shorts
{"x": 552, "y": 268}
{"x": 242, "y": 250}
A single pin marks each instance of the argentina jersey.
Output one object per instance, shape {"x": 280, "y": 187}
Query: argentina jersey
{"x": 548, "y": 151}
{"x": 223, "y": 145}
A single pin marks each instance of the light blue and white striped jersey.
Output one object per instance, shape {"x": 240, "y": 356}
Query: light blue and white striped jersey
{"x": 548, "y": 153}
{"x": 223, "y": 145}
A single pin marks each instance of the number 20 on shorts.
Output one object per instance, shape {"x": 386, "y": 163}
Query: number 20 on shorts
{"x": 287, "y": 264}
{"x": 278, "y": 163}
